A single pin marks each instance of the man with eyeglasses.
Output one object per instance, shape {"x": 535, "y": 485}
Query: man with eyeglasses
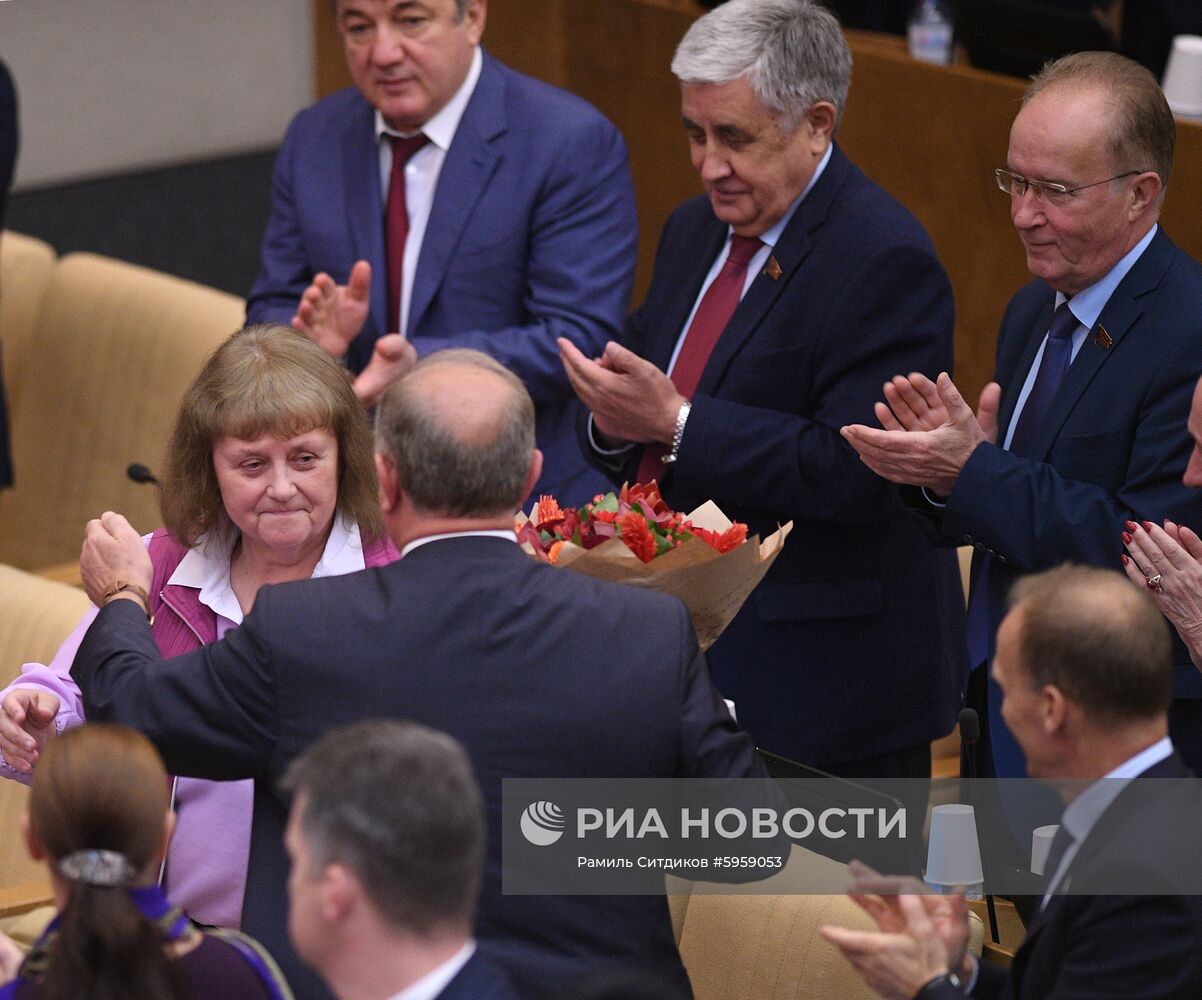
{"x": 1085, "y": 427}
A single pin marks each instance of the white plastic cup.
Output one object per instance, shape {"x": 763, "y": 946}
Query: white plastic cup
{"x": 1041, "y": 847}
{"x": 1183, "y": 76}
{"x": 953, "y": 854}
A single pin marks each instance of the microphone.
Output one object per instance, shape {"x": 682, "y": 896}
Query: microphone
{"x": 140, "y": 474}
{"x": 970, "y": 733}
{"x": 970, "y": 722}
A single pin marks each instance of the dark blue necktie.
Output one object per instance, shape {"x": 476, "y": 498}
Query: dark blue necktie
{"x": 1057, "y": 353}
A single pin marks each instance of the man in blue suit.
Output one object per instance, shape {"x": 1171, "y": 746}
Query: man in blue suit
{"x": 1096, "y": 363}
{"x": 386, "y": 837}
{"x": 779, "y": 304}
{"x": 455, "y": 201}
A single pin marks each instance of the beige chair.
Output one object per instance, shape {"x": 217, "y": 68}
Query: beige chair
{"x": 26, "y": 266}
{"x": 767, "y": 947}
{"x": 98, "y": 384}
{"x": 35, "y": 616}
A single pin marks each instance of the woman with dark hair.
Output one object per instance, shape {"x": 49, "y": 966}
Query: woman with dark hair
{"x": 270, "y": 477}
{"x": 99, "y": 815}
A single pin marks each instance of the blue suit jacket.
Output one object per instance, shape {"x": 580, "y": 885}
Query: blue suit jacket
{"x": 852, "y": 645}
{"x": 1112, "y": 448}
{"x": 532, "y": 236}
{"x": 521, "y": 662}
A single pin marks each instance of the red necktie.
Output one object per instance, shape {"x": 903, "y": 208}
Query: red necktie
{"x": 713, "y": 313}
{"x": 396, "y": 226}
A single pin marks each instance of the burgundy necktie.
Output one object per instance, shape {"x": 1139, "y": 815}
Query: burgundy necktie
{"x": 713, "y": 313}
{"x": 396, "y": 225}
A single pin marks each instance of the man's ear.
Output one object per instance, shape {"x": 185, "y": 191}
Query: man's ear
{"x": 532, "y": 474}
{"x": 390, "y": 486}
{"x": 341, "y": 891}
{"x": 1144, "y": 191}
{"x": 820, "y": 120}
{"x": 1055, "y": 709}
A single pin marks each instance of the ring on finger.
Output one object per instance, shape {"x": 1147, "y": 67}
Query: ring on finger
{"x": 1154, "y": 583}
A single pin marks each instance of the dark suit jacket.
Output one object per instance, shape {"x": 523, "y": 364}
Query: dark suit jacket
{"x": 479, "y": 979}
{"x": 8, "y": 161}
{"x": 1112, "y": 448}
{"x": 1128, "y": 946}
{"x": 532, "y": 236}
{"x": 519, "y": 661}
{"x": 853, "y": 643}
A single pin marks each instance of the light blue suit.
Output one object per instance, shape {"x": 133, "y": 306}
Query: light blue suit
{"x": 532, "y": 236}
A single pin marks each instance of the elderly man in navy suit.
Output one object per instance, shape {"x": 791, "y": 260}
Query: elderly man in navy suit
{"x": 1085, "y": 427}
{"x": 447, "y": 201}
{"x": 779, "y": 303}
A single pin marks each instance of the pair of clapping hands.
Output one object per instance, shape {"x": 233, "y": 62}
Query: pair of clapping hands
{"x": 113, "y": 555}
{"x": 920, "y": 937}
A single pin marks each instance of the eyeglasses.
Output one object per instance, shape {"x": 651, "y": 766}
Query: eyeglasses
{"x": 1047, "y": 191}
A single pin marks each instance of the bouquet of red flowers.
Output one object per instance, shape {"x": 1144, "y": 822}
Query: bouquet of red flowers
{"x": 636, "y": 514}
{"x": 632, "y": 536}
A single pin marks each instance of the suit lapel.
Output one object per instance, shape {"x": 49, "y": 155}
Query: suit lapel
{"x": 365, "y": 207}
{"x": 465, "y": 173}
{"x": 1119, "y": 811}
{"x": 790, "y": 252}
{"x": 683, "y": 294}
{"x": 1026, "y": 359}
{"x": 1119, "y": 315}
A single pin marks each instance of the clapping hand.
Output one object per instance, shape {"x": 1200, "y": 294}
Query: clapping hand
{"x": 332, "y": 315}
{"x": 1168, "y": 562}
{"x": 927, "y": 431}
{"x": 921, "y": 935}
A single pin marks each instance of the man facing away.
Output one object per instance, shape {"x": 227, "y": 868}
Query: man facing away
{"x": 538, "y": 672}
{"x": 456, "y": 203}
{"x": 779, "y": 303}
{"x": 1084, "y": 665}
{"x": 386, "y": 840}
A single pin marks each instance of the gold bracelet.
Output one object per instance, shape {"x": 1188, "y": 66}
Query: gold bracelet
{"x": 133, "y": 588}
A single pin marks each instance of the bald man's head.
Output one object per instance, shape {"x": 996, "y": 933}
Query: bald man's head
{"x": 459, "y": 429}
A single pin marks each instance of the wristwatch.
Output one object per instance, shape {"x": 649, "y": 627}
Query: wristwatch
{"x": 133, "y": 588}
{"x": 937, "y": 987}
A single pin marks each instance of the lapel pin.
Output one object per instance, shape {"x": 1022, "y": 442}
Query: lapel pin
{"x": 772, "y": 268}
{"x": 1103, "y": 339}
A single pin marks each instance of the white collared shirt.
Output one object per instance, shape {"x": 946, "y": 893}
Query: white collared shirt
{"x": 1083, "y": 813}
{"x": 421, "y": 175}
{"x": 436, "y": 980}
{"x": 1086, "y": 307}
{"x": 206, "y": 567}
{"x": 505, "y": 533}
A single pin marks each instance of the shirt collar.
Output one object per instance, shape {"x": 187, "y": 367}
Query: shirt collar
{"x": 1087, "y": 304}
{"x": 1087, "y": 808}
{"x": 771, "y": 235}
{"x": 436, "y": 980}
{"x": 505, "y": 533}
{"x": 206, "y": 566}
{"x": 440, "y": 129}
